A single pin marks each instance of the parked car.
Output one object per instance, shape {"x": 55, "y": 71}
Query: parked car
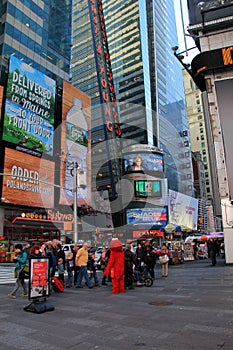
{"x": 67, "y": 248}
{"x": 98, "y": 253}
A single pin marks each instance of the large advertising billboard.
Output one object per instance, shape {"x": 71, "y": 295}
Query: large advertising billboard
{"x": 183, "y": 210}
{"x": 147, "y": 216}
{"x": 28, "y": 180}
{"x": 75, "y": 144}
{"x": 29, "y": 109}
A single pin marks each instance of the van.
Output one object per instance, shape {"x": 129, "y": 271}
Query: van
{"x": 67, "y": 248}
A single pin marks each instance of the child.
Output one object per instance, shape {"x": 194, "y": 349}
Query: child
{"x": 60, "y": 269}
{"x": 70, "y": 269}
{"x": 92, "y": 268}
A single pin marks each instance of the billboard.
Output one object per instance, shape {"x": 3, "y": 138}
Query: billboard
{"x": 147, "y": 188}
{"x": 143, "y": 162}
{"x": 147, "y": 216}
{"x": 183, "y": 210}
{"x": 75, "y": 143}
{"x": 29, "y": 109}
{"x": 28, "y": 180}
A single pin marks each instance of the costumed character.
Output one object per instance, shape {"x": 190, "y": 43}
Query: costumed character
{"x": 115, "y": 266}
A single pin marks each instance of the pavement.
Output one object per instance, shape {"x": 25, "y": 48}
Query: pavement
{"x": 191, "y": 309}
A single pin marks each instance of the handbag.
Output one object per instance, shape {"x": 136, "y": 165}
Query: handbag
{"x": 163, "y": 259}
{"x": 24, "y": 273}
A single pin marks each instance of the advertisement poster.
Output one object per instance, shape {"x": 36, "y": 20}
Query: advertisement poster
{"x": 183, "y": 210}
{"x": 147, "y": 216}
{"x": 28, "y": 180}
{"x": 39, "y": 285}
{"x": 75, "y": 143}
{"x": 29, "y": 110}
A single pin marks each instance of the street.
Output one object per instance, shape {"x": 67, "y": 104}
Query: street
{"x": 190, "y": 309}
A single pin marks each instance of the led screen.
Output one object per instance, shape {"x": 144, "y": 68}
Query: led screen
{"x": 147, "y": 216}
{"x": 148, "y": 162}
{"x": 145, "y": 188}
{"x": 29, "y": 109}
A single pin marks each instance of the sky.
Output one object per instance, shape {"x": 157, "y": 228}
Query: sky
{"x": 189, "y": 41}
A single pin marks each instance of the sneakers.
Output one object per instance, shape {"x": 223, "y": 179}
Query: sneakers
{"x": 11, "y": 296}
{"x": 24, "y": 295}
{"x": 78, "y": 286}
{"x": 139, "y": 284}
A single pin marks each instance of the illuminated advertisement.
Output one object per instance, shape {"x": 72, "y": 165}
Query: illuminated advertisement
{"x": 29, "y": 110}
{"x": 148, "y": 162}
{"x": 183, "y": 210}
{"x": 147, "y": 216}
{"x": 28, "y": 180}
{"x": 75, "y": 144}
{"x": 147, "y": 188}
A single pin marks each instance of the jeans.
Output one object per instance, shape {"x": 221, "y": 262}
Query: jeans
{"x": 19, "y": 283}
{"x": 69, "y": 280}
{"x": 83, "y": 273}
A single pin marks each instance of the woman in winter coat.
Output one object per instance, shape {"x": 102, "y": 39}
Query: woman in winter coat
{"x": 129, "y": 262}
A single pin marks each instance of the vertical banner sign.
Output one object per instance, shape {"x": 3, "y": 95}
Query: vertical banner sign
{"x": 39, "y": 285}
{"x": 29, "y": 110}
{"x": 106, "y": 86}
{"x": 75, "y": 143}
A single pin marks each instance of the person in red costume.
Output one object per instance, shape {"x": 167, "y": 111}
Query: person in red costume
{"x": 115, "y": 266}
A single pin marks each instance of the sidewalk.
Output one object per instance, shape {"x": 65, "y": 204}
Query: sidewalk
{"x": 191, "y": 309}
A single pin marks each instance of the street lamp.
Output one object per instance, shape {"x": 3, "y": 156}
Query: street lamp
{"x": 79, "y": 181}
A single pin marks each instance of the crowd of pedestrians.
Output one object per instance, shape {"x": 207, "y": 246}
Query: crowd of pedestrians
{"x": 124, "y": 268}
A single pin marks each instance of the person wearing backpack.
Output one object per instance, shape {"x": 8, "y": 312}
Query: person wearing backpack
{"x": 20, "y": 261}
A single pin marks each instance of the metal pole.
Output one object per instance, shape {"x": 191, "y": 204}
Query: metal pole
{"x": 75, "y": 203}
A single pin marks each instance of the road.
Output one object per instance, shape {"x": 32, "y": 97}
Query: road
{"x": 191, "y": 309}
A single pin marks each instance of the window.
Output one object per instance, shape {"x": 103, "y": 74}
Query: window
{"x": 200, "y": 116}
{"x": 199, "y": 109}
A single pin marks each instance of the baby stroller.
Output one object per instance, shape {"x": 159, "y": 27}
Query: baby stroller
{"x": 141, "y": 278}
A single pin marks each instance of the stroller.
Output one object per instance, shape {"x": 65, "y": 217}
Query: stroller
{"x": 143, "y": 278}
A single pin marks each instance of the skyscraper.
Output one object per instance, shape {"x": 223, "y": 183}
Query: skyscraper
{"x": 147, "y": 77}
{"x": 32, "y": 31}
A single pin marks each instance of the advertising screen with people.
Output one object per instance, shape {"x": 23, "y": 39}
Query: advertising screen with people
{"x": 143, "y": 162}
{"x": 146, "y": 188}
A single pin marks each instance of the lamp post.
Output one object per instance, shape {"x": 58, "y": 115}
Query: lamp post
{"x": 79, "y": 181}
{"x": 75, "y": 187}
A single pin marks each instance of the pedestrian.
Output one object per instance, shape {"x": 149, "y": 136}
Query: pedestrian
{"x": 76, "y": 268}
{"x": 61, "y": 254}
{"x": 212, "y": 251}
{"x": 70, "y": 269}
{"x": 20, "y": 261}
{"x": 61, "y": 270}
{"x": 115, "y": 266}
{"x": 35, "y": 252}
{"x": 150, "y": 260}
{"x": 165, "y": 251}
{"x": 103, "y": 263}
{"x": 92, "y": 269}
{"x": 129, "y": 262}
{"x": 81, "y": 261}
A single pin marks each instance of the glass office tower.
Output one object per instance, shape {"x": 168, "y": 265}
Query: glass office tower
{"x": 147, "y": 78}
{"x": 37, "y": 32}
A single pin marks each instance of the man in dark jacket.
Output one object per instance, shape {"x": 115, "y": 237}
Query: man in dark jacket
{"x": 130, "y": 260}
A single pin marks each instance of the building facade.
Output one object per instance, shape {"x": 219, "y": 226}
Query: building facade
{"x": 211, "y": 23}
{"x": 147, "y": 78}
